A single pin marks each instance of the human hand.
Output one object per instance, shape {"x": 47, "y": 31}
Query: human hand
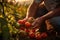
{"x": 38, "y": 22}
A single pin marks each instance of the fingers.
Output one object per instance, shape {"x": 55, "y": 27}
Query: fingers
{"x": 35, "y": 24}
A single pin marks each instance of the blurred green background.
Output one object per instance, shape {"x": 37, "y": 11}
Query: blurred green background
{"x": 10, "y": 13}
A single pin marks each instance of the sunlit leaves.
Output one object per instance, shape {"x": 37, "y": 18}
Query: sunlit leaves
{"x": 11, "y": 14}
{"x": 1, "y": 16}
{"x": 14, "y": 11}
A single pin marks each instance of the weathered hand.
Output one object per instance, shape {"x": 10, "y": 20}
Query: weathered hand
{"x": 38, "y": 22}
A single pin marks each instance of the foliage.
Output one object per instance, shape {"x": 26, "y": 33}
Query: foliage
{"x": 9, "y": 14}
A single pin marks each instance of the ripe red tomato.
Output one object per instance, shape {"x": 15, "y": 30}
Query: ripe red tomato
{"x": 21, "y": 21}
{"x": 38, "y": 36}
{"x": 22, "y": 28}
{"x": 27, "y": 24}
{"x": 27, "y": 30}
{"x": 33, "y": 30}
{"x": 44, "y": 35}
{"x": 31, "y": 35}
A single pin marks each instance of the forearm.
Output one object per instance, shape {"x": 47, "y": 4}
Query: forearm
{"x": 51, "y": 14}
{"x": 32, "y": 9}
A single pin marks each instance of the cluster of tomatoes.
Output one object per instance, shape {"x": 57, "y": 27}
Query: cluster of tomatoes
{"x": 29, "y": 30}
